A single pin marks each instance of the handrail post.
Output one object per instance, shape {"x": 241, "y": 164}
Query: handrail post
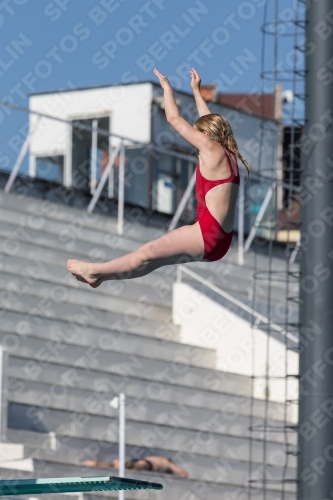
{"x": 259, "y": 217}
{"x": 20, "y": 158}
{"x": 121, "y": 190}
{"x": 93, "y": 161}
{"x": 119, "y": 403}
{"x": 295, "y": 252}
{"x": 241, "y": 221}
{"x": 103, "y": 180}
{"x": 111, "y": 175}
{"x": 182, "y": 203}
{"x": 122, "y": 417}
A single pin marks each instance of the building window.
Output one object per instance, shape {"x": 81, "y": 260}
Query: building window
{"x": 82, "y": 159}
{"x": 255, "y": 193}
{"x": 137, "y": 177}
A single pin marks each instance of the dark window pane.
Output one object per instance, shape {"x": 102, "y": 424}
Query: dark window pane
{"x": 50, "y": 168}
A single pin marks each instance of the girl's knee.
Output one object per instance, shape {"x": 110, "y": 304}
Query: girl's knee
{"x": 147, "y": 251}
{"x": 143, "y": 255}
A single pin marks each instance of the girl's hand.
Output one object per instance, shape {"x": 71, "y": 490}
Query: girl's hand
{"x": 164, "y": 82}
{"x": 195, "y": 80}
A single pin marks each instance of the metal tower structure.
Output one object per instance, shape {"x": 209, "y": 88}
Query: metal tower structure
{"x": 288, "y": 275}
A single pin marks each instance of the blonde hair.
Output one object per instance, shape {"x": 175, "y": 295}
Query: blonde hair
{"x": 218, "y": 129}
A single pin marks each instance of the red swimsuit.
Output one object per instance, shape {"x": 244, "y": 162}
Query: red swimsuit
{"x": 216, "y": 240}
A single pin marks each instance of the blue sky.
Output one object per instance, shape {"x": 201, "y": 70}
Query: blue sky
{"x": 68, "y": 43}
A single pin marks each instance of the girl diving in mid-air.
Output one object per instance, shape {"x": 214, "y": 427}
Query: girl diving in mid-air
{"x": 217, "y": 182}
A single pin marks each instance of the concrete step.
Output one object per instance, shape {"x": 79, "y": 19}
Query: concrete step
{"x": 54, "y": 305}
{"x": 94, "y": 251}
{"x": 240, "y": 289}
{"x": 235, "y": 472}
{"x": 199, "y": 489}
{"x": 80, "y": 449}
{"x": 77, "y": 219}
{"x": 43, "y": 230}
{"x": 235, "y": 279}
{"x": 98, "y": 383}
{"x": 221, "y": 471}
{"x": 59, "y": 213}
{"x": 226, "y": 267}
{"x": 65, "y": 233}
{"x": 94, "y": 359}
{"x": 80, "y": 424}
{"x": 26, "y": 464}
{"x": 174, "y": 487}
{"x": 43, "y": 249}
{"x": 108, "y": 340}
{"x": 40, "y": 258}
{"x": 12, "y": 451}
{"x": 158, "y": 291}
{"x": 101, "y": 359}
{"x": 48, "y": 396}
{"x": 98, "y": 247}
{"x": 72, "y": 298}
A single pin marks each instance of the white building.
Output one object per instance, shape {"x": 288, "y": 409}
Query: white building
{"x": 61, "y": 151}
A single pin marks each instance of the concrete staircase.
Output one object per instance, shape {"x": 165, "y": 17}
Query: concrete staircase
{"x": 72, "y": 348}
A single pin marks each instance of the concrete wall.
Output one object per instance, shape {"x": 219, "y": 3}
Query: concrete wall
{"x": 207, "y": 323}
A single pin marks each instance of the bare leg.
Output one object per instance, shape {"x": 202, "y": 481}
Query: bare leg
{"x": 184, "y": 244}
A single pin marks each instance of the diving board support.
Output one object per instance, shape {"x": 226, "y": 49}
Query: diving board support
{"x": 73, "y": 485}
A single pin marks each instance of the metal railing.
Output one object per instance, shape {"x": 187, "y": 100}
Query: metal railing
{"x": 119, "y": 150}
{"x": 96, "y": 188}
{"x": 121, "y": 185}
{"x": 259, "y": 317}
{"x": 21, "y": 156}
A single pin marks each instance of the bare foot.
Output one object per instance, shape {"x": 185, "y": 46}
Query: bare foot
{"x": 84, "y": 272}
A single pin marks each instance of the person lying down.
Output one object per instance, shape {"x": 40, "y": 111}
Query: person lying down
{"x": 150, "y": 463}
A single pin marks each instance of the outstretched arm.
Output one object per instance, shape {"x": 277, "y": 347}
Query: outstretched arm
{"x": 171, "y": 108}
{"x": 199, "y": 100}
{"x": 194, "y": 137}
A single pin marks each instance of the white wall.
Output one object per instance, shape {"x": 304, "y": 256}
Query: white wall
{"x": 129, "y": 106}
{"x": 207, "y": 323}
